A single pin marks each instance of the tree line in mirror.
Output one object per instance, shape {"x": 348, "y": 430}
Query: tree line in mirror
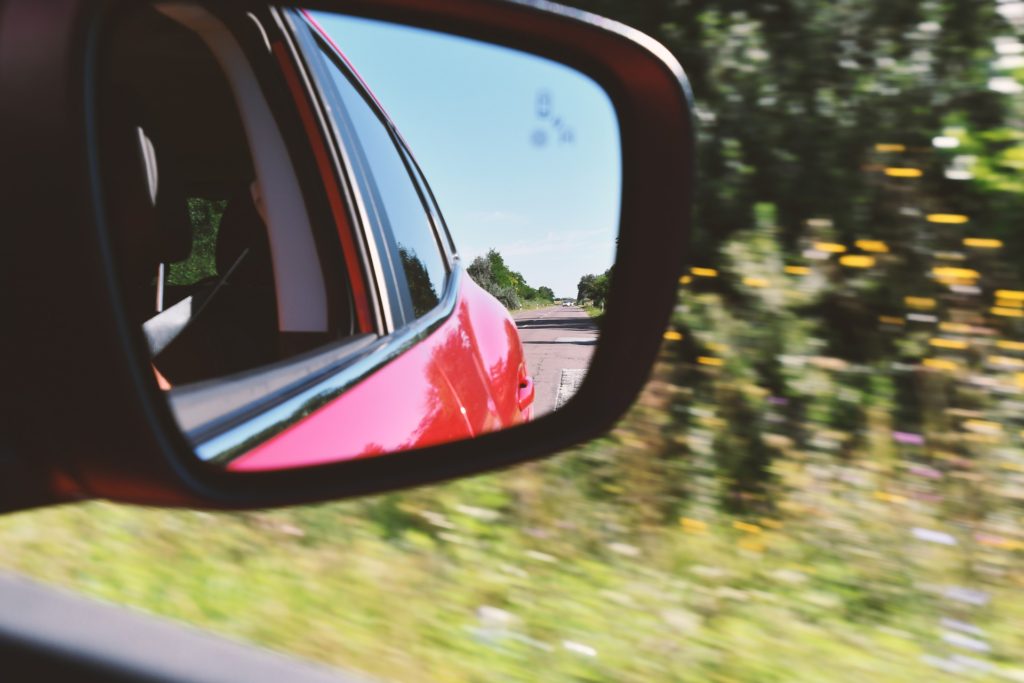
{"x": 506, "y": 285}
{"x": 592, "y": 290}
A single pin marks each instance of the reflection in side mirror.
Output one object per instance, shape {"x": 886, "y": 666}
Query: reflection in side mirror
{"x": 303, "y": 299}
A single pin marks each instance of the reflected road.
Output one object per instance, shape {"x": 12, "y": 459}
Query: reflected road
{"x": 558, "y": 342}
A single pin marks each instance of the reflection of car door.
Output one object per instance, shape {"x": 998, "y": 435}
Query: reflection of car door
{"x": 413, "y": 266}
{"x": 476, "y": 352}
{"x": 437, "y": 386}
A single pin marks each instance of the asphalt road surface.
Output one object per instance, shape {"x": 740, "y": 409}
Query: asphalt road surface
{"x": 559, "y": 342}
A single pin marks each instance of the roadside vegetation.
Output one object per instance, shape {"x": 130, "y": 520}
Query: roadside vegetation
{"x": 824, "y": 478}
{"x": 506, "y": 285}
{"x": 594, "y": 312}
{"x": 592, "y": 291}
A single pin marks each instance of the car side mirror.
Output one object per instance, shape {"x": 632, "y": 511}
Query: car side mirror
{"x": 307, "y": 255}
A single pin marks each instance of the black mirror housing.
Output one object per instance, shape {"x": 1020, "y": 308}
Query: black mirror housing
{"x": 83, "y": 415}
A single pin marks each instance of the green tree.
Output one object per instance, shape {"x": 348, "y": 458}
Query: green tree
{"x": 483, "y": 273}
{"x": 594, "y": 288}
{"x": 584, "y": 288}
{"x": 506, "y": 285}
{"x": 424, "y": 297}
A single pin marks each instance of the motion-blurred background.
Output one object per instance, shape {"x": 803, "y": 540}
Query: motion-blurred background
{"x": 824, "y": 479}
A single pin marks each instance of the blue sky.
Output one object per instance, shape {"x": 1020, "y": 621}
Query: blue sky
{"x": 521, "y": 152}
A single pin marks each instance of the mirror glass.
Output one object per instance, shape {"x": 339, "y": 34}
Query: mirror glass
{"x": 344, "y": 238}
{"x": 522, "y": 154}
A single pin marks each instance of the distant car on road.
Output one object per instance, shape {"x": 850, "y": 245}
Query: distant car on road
{"x": 568, "y": 303}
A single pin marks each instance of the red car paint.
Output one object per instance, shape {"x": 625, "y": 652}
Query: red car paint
{"x": 464, "y": 379}
{"x": 467, "y": 378}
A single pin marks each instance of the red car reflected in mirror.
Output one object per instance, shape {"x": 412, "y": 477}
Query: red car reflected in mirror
{"x": 301, "y": 306}
{"x": 467, "y": 378}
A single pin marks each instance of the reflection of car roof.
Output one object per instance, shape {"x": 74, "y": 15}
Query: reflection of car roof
{"x": 351, "y": 67}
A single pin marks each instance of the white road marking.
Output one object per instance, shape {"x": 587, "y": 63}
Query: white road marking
{"x": 567, "y": 385}
{"x": 575, "y": 340}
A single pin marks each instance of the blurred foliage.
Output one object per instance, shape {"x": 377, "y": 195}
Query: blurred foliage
{"x": 824, "y": 478}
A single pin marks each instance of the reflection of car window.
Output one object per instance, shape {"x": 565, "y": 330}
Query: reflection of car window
{"x": 217, "y": 256}
{"x": 402, "y": 229}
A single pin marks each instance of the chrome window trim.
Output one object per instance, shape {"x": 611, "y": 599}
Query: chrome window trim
{"x": 439, "y": 230}
{"x": 210, "y": 407}
{"x": 219, "y": 443}
{"x": 234, "y": 442}
{"x": 426, "y": 199}
{"x": 344, "y": 168}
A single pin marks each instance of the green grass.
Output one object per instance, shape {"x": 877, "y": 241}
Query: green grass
{"x": 533, "y": 575}
{"x": 594, "y": 312}
{"x": 475, "y": 600}
{"x": 531, "y": 304}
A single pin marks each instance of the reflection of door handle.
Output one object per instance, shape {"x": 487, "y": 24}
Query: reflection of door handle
{"x": 526, "y": 392}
